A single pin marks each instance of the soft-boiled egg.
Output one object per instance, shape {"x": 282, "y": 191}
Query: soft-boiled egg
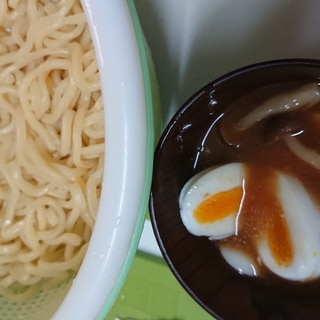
{"x": 211, "y": 204}
{"x": 303, "y": 220}
{"x": 210, "y": 201}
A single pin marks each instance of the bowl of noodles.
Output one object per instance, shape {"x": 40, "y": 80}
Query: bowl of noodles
{"x": 76, "y": 145}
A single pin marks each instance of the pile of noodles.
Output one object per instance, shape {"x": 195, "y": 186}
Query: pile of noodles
{"x": 51, "y": 139}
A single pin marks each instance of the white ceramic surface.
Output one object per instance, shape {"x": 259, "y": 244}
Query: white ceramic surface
{"x": 193, "y": 42}
{"x": 121, "y": 213}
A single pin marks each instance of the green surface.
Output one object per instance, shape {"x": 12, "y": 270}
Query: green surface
{"x": 151, "y": 292}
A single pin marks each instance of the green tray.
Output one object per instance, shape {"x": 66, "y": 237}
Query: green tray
{"x": 151, "y": 292}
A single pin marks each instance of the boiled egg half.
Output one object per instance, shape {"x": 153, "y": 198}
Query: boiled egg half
{"x": 210, "y": 201}
{"x": 302, "y": 217}
{"x": 211, "y": 204}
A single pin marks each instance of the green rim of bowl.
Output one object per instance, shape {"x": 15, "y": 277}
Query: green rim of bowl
{"x": 150, "y": 87}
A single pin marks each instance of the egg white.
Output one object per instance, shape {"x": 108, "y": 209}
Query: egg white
{"x": 303, "y": 220}
{"x": 204, "y": 185}
{"x": 239, "y": 261}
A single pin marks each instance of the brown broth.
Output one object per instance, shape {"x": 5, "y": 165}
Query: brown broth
{"x": 261, "y": 212}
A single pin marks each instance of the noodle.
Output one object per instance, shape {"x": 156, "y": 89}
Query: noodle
{"x": 288, "y": 101}
{"x": 51, "y": 141}
{"x": 308, "y": 155}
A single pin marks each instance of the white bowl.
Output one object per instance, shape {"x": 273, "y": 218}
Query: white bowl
{"x": 124, "y": 69}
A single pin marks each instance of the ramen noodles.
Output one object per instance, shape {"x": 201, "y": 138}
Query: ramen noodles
{"x": 51, "y": 139}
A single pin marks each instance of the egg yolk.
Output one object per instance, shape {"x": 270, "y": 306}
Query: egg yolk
{"x": 219, "y": 206}
{"x": 278, "y": 235}
{"x": 280, "y": 242}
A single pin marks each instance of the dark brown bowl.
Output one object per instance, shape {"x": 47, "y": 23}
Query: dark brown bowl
{"x": 190, "y": 144}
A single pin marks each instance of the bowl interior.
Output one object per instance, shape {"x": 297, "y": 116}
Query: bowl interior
{"x": 190, "y": 144}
